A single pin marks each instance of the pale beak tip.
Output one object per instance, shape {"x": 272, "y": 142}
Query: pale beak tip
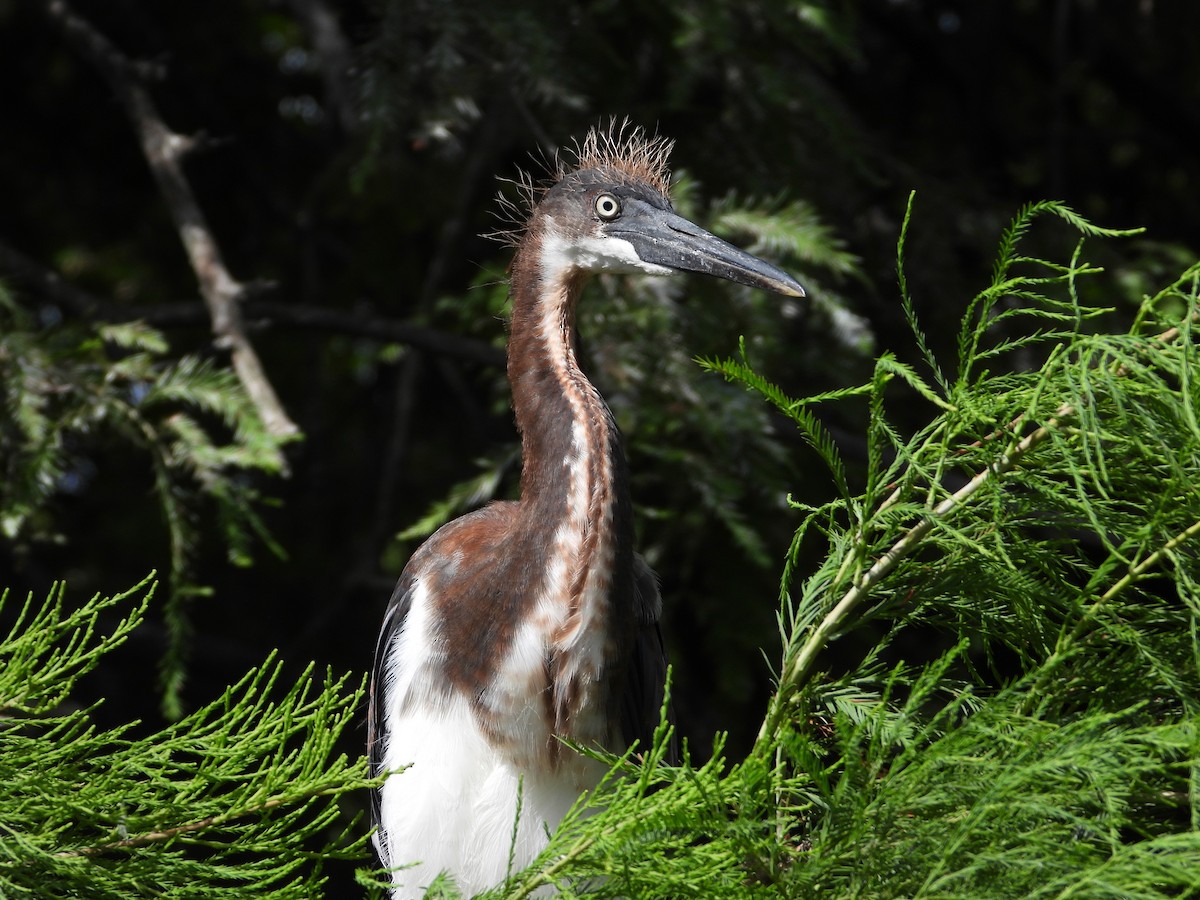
{"x": 790, "y": 288}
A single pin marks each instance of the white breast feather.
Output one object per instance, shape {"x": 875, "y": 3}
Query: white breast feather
{"x": 453, "y": 808}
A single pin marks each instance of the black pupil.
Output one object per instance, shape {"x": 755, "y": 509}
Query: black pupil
{"x": 608, "y": 206}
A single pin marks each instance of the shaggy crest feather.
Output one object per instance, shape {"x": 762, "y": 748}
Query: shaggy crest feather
{"x": 625, "y": 153}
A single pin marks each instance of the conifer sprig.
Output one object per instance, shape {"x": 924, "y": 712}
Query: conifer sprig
{"x": 239, "y": 798}
{"x": 65, "y": 391}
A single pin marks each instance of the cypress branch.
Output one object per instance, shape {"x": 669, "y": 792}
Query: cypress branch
{"x": 239, "y": 798}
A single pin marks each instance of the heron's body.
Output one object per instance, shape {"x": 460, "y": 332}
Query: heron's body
{"x": 534, "y": 620}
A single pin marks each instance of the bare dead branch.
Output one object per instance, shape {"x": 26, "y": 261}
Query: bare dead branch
{"x": 164, "y": 151}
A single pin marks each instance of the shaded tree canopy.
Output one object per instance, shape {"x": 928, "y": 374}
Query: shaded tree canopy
{"x": 344, "y": 158}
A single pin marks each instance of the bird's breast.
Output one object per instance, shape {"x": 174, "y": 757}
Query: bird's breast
{"x": 554, "y": 680}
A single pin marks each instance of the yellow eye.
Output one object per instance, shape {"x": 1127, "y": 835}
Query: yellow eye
{"x": 608, "y": 207}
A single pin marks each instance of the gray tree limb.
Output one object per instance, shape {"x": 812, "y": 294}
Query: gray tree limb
{"x": 165, "y": 150}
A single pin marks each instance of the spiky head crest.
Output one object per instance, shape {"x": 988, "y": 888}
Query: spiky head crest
{"x": 623, "y": 152}
{"x": 619, "y": 151}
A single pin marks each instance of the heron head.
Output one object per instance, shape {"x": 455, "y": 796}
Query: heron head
{"x": 612, "y": 212}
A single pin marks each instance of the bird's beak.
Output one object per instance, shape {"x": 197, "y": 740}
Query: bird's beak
{"x": 663, "y": 238}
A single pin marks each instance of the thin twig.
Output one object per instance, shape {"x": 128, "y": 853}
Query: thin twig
{"x": 21, "y": 269}
{"x": 546, "y": 876}
{"x": 166, "y": 834}
{"x": 1061, "y": 648}
{"x": 802, "y": 664}
{"x": 404, "y": 404}
{"x": 265, "y": 313}
{"x": 164, "y": 151}
{"x": 453, "y": 231}
{"x": 1136, "y": 572}
{"x": 316, "y": 318}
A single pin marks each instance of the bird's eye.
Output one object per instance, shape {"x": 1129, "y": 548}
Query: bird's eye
{"x": 608, "y": 207}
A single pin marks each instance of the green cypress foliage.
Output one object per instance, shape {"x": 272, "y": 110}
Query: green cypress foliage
{"x": 65, "y": 389}
{"x": 1023, "y": 569}
{"x": 237, "y": 799}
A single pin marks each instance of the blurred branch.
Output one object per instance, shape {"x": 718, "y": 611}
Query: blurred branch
{"x": 49, "y": 283}
{"x": 164, "y": 151}
{"x": 422, "y": 337}
{"x": 334, "y": 56}
{"x": 85, "y": 304}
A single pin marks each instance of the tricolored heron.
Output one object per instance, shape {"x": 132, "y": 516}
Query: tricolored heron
{"x": 533, "y": 620}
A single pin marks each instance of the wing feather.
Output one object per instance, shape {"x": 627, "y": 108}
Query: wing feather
{"x": 645, "y": 686}
{"x": 393, "y": 621}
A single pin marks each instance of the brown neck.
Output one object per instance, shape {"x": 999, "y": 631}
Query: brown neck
{"x": 570, "y": 546}
{"x": 573, "y": 468}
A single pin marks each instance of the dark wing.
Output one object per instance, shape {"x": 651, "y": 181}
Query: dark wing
{"x": 645, "y": 686}
{"x": 393, "y": 621}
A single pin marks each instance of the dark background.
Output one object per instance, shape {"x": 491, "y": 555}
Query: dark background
{"x": 353, "y": 165}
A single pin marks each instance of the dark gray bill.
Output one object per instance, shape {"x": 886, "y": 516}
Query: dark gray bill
{"x": 661, "y": 237}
